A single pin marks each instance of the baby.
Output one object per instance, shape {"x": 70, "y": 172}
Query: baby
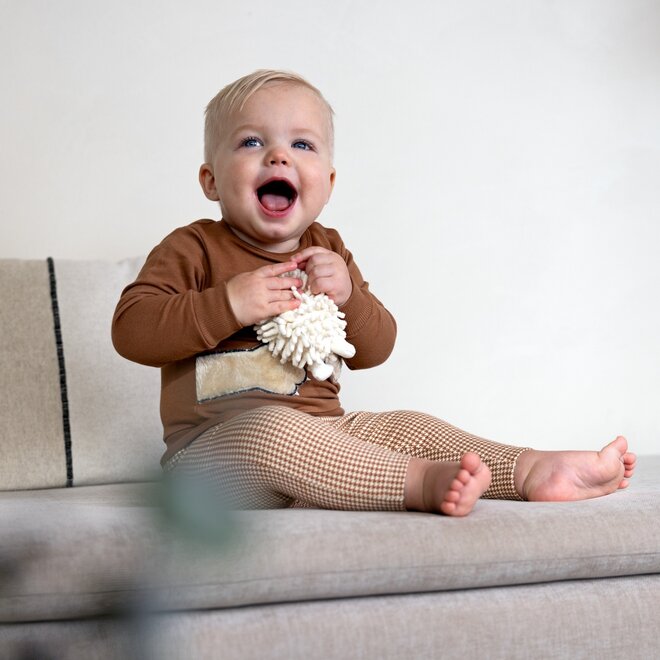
{"x": 268, "y": 434}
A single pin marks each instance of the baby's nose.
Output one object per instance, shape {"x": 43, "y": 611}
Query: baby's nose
{"x": 278, "y": 156}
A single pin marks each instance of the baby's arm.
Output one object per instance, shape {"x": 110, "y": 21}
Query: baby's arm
{"x": 370, "y": 327}
{"x": 171, "y": 312}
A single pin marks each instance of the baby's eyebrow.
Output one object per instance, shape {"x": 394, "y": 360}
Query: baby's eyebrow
{"x": 246, "y": 128}
{"x": 254, "y": 128}
{"x": 306, "y": 131}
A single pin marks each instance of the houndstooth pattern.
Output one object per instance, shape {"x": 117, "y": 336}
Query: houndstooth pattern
{"x": 276, "y": 457}
{"x": 424, "y": 436}
{"x": 272, "y": 456}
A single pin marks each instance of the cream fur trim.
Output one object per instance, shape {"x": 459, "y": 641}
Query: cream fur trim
{"x": 221, "y": 374}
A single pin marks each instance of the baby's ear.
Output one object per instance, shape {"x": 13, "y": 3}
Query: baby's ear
{"x": 207, "y": 181}
{"x": 333, "y": 174}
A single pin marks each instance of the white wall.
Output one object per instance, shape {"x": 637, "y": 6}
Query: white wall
{"x": 517, "y": 141}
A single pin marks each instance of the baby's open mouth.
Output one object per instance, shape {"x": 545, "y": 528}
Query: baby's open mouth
{"x": 276, "y": 195}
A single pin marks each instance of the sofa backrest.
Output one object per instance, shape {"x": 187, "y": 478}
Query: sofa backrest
{"x": 73, "y": 412}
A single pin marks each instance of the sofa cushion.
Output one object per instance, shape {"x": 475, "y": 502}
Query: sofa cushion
{"x": 74, "y": 412}
{"x": 580, "y": 620}
{"x": 32, "y": 451}
{"x": 116, "y": 433}
{"x": 89, "y": 550}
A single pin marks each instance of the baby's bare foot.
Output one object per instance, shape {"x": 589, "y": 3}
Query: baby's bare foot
{"x": 446, "y": 487}
{"x": 558, "y": 476}
{"x": 467, "y": 487}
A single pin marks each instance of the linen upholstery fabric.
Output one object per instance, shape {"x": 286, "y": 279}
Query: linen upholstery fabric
{"x": 580, "y": 620}
{"x": 32, "y": 452}
{"x": 307, "y": 554}
{"x": 464, "y": 624}
{"x": 115, "y": 431}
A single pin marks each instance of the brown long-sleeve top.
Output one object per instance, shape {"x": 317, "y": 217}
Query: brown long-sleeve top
{"x": 177, "y": 316}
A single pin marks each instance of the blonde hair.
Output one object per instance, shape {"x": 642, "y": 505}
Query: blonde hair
{"x": 235, "y": 95}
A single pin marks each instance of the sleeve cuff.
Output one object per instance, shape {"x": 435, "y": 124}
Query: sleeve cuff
{"x": 214, "y": 315}
{"x": 357, "y": 310}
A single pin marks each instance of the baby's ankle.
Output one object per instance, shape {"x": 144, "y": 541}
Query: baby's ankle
{"x": 524, "y": 464}
{"x": 413, "y": 493}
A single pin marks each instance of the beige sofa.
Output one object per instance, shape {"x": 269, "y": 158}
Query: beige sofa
{"x": 99, "y": 558}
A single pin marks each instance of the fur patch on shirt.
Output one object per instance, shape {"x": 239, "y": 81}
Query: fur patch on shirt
{"x": 222, "y": 374}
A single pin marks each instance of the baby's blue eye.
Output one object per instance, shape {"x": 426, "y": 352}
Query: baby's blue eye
{"x": 252, "y": 142}
{"x": 302, "y": 144}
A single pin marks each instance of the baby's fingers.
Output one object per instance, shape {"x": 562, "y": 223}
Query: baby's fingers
{"x": 275, "y": 270}
{"x": 303, "y": 256}
{"x": 279, "y": 283}
{"x": 279, "y": 307}
{"x": 281, "y": 296}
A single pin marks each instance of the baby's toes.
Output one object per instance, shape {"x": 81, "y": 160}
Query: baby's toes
{"x": 452, "y": 495}
{"x": 629, "y": 462}
{"x": 448, "y": 508}
{"x": 463, "y": 477}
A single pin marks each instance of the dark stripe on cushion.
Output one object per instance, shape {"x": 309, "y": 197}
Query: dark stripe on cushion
{"x": 60, "y": 357}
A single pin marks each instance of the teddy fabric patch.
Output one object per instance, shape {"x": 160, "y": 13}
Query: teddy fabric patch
{"x": 232, "y": 372}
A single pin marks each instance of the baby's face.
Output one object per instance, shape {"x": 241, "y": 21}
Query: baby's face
{"x": 272, "y": 171}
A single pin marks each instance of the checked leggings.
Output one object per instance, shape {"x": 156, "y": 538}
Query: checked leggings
{"x": 278, "y": 457}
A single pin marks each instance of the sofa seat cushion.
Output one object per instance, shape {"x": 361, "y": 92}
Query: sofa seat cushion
{"x": 82, "y": 551}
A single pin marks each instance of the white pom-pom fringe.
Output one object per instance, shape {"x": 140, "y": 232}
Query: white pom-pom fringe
{"x": 312, "y": 335}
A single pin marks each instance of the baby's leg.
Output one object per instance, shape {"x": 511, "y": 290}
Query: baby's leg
{"x": 518, "y": 473}
{"x": 273, "y": 456}
{"x": 427, "y": 437}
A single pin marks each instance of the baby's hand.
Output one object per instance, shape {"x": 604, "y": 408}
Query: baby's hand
{"x": 261, "y": 294}
{"x": 326, "y": 273}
